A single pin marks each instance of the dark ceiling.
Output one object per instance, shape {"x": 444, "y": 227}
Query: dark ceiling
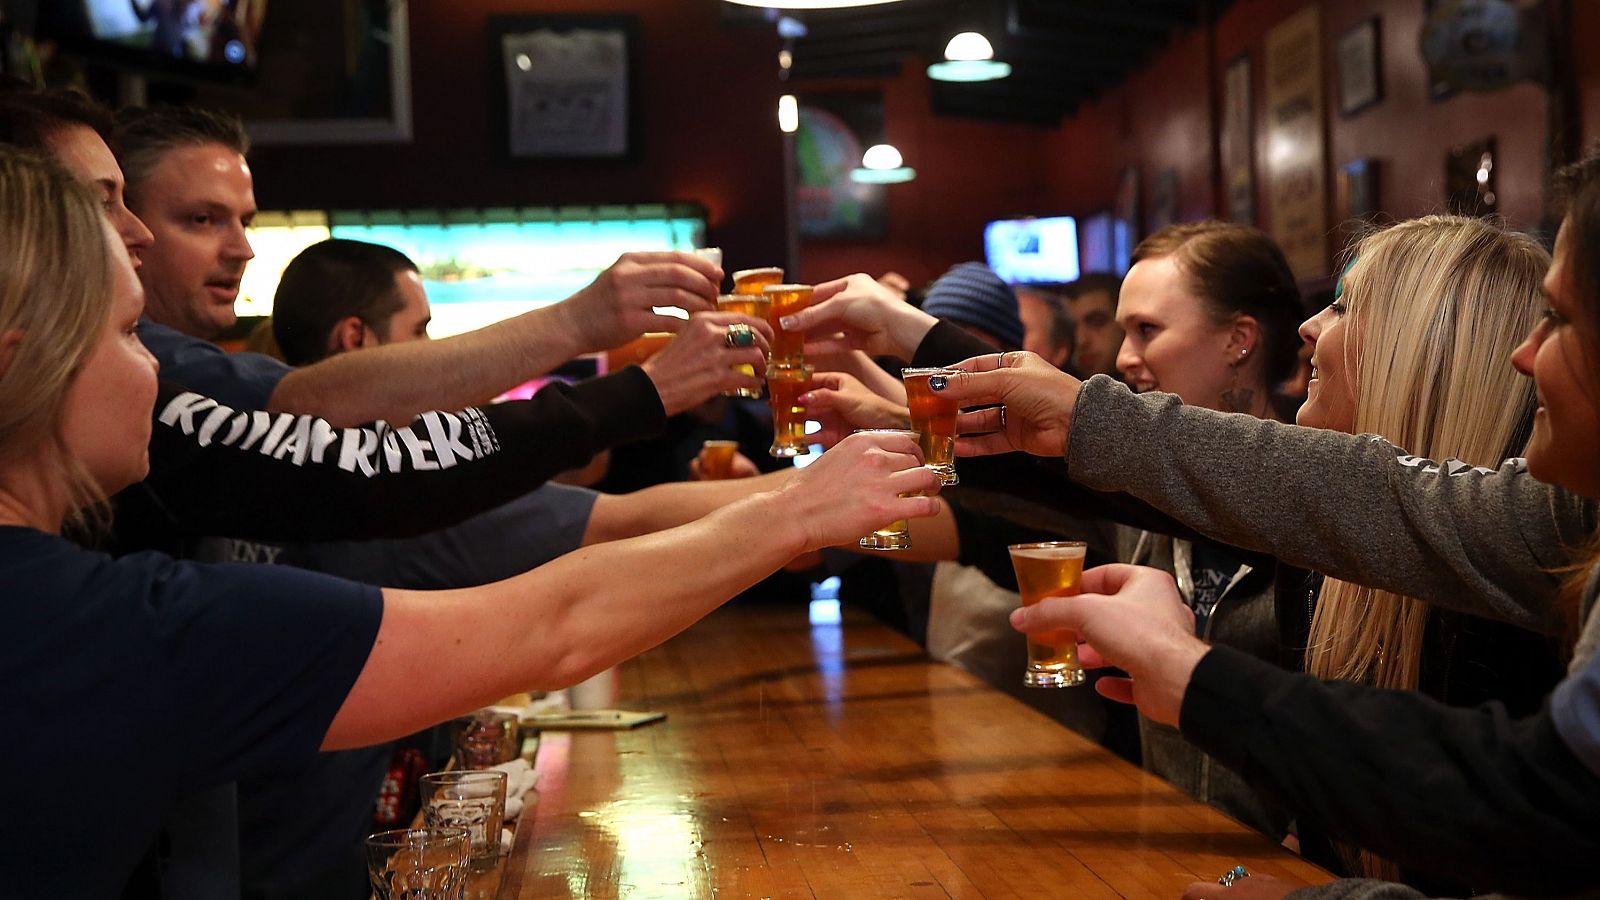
{"x": 1062, "y": 52}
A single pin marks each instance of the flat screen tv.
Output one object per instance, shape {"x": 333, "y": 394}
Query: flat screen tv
{"x": 201, "y": 39}
{"x": 1033, "y": 251}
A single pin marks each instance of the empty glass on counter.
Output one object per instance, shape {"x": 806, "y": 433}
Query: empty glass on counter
{"x": 472, "y": 800}
{"x": 418, "y": 863}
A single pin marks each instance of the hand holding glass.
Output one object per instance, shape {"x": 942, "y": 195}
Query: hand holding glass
{"x": 1050, "y": 569}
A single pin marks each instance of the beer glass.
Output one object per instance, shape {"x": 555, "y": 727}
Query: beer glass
{"x": 784, "y": 387}
{"x": 752, "y": 281}
{"x": 788, "y": 348}
{"x": 1049, "y": 569}
{"x": 418, "y": 863}
{"x": 897, "y": 534}
{"x": 933, "y": 415}
{"x": 714, "y": 254}
{"x": 716, "y": 459}
{"x": 755, "y": 306}
{"x": 474, "y": 800}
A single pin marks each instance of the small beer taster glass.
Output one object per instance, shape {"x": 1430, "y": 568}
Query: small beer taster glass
{"x": 1050, "y": 569}
{"x": 933, "y": 415}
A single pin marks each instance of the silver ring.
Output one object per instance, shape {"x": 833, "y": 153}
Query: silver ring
{"x": 740, "y": 335}
{"x": 1232, "y": 875}
{"x": 1000, "y": 359}
{"x": 1002, "y": 418}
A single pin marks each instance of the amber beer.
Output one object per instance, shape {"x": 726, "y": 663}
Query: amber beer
{"x": 788, "y": 348}
{"x": 933, "y": 415}
{"x": 754, "y": 306}
{"x": 897, "y": 534}
{"x": 784, "y": 387}
{"x": 716, "y": 459}
{"x": 753, "y": 281}
{"x": 1050, "y": 569}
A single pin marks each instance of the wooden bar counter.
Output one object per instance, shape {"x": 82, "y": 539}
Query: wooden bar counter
{"x": 838, "y": 761}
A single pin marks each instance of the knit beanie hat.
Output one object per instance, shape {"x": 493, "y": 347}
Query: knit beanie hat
{"x": 972, "y": 294}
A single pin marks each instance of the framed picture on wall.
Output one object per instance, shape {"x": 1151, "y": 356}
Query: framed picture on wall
{"x": 1237, "y": 137}
{"x": 1360, "y": 56}
{"x": 566, "y": 85}
{"x": 835, "y": 130}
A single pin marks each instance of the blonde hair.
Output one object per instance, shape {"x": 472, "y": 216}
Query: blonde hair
{"x": 1434, "y": 307}
{"x": 55, "y": 290}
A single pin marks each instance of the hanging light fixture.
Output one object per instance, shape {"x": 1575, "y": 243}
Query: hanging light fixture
{"x": 882, "y": 164}
{"x": 810, "y": 4}
{"x": 969, "y": 57}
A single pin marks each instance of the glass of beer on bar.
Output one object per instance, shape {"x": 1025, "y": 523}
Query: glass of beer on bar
{"x": 897, "y": 534}
{"x": 1050, "y": 569}
{"x": 755, "y": 306}
{"x": 753, "y": 281}
{"x": 784, "y": 387}
{"x": 716, "y": 459}
{"x": 934, "y": 417}
{"x": 788, "y": 348}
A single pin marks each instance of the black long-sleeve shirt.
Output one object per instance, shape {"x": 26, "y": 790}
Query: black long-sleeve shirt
{"x": 278, "y": 476}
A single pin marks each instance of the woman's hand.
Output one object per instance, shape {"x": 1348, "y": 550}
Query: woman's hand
{"x": 1132, "y": 618}
{"x": 842, "y": 404}
{"x": 1036, "y": 402}
{"x": 864, "y": 483}
{"x": 858, "y": 313}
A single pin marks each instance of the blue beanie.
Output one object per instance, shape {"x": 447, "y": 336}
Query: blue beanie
{"x": 972, "y": 294}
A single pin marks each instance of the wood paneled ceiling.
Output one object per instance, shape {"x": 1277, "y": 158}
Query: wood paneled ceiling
{"x": 1062, "y": 52}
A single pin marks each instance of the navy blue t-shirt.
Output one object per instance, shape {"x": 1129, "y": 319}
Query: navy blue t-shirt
{"x": 128, "y": 683}
{"x": 239, "y": 380}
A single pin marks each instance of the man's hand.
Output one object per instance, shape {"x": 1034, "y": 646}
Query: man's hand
{"x": 618, "y": 305}
{"x": 1132, "y": 618}
{"x": 698, "y": 364}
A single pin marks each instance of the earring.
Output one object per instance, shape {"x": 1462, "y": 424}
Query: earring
{"x": 1237, "y": 399}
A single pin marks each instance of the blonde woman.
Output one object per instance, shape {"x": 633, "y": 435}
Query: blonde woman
{"x": 209, "y": 673}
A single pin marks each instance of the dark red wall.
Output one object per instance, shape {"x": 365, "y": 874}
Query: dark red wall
{"x": 708, "y": 102}
{"x": 708, "y": 96}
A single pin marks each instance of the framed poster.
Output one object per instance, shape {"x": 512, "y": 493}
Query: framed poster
{"x": 1237, "y": 135}
{"x": 836, "y": 128}
{"x": 1296, "y": 184}
{"x": 566, "y": 85}
{"x": 1360, "y": 56}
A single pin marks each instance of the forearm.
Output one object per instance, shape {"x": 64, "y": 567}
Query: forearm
{"x": 1472, "y": 540}
{"x": 652, "y": 509}
{"x": 1461, "y": 793}
{"x": 395, "y": 382}
{"x": 560, "y": 623}
{"x": 217, "y": 471}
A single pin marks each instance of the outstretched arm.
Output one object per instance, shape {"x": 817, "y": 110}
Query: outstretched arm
{"x": 564, "y": 621}
{"x": 397, "y": 381}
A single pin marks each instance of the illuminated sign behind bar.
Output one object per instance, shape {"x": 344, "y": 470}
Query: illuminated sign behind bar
{"x": 479, "y": 266}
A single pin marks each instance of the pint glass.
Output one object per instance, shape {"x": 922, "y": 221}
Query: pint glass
{"x": 1050, "y": 569}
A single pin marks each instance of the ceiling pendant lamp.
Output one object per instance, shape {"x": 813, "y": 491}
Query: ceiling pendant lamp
{"x": 969, "y": 57}
{"x": 882, "y": 164}
{"x": 810, "y": 4}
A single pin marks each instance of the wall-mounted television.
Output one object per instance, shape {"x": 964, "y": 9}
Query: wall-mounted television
{"x": 1034, "y": 250}
{"x": 204, "y": 39}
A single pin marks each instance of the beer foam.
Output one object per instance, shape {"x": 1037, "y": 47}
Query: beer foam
{"x": 1076, "y": 552}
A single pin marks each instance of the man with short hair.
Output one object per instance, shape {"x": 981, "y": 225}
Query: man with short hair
{"x": 340, "y": 295}
{"x": 1047, "y": 327}
{"x": 188, "y": 180}
{"x": 1092, "y": 300}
